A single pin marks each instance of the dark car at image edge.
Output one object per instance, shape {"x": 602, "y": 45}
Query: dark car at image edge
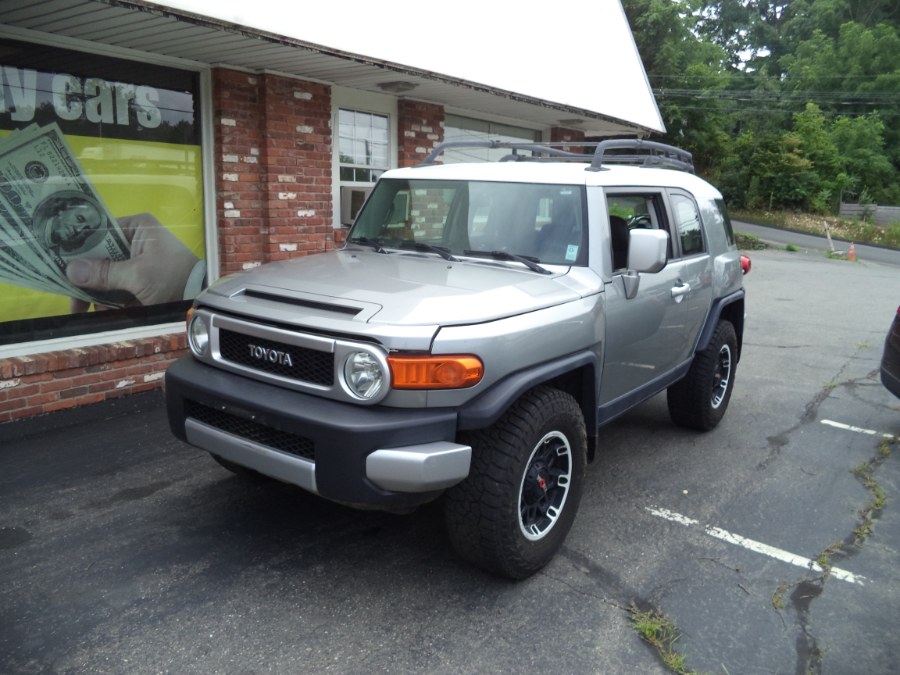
{"x": 890, "y": 359}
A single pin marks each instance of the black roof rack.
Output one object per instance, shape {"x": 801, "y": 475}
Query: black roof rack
{"x": 633, "y": 151}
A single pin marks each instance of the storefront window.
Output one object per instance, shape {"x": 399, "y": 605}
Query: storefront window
{"x": 101, "y": 202}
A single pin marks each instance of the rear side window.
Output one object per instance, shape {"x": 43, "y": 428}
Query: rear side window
{"x": 687, "y": 225}
{"x": 721, "y": 212}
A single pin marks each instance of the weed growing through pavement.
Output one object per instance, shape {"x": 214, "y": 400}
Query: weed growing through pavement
{"x": 660, "y": 632}
{"x": 778, "y": 596}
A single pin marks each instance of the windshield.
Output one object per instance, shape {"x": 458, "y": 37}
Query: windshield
{"x": 542, "y": 223}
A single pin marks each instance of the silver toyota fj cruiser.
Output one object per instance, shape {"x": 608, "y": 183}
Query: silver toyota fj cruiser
{"x": 482, "y": 323}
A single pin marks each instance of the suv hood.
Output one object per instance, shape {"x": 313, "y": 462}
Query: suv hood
{"x": 404, "y": 288}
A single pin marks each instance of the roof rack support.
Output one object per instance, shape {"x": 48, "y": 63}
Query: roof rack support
{"x": 646, "y": 153}
{"x": 637, "y": 152}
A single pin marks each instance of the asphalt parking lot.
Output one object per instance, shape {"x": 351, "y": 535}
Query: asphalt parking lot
{"x": 770, "y": 544}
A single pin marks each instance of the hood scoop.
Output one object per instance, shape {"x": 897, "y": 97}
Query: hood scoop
{"x": 301, "y": 302}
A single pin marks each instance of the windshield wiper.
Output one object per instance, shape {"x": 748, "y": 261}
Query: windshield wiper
{"x": 376, "y": 244}
{"x": 528, "y": 261}
{"x": 425, "y": 247}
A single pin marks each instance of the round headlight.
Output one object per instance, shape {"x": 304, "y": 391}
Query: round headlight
{"x": 364, "y": 375}
{"x": 198, "y": 335}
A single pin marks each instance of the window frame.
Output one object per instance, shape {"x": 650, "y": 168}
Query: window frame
{"x": 367, "y": 103}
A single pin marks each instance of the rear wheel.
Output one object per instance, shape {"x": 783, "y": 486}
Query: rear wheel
{"x": 513, "y": 512}
{"x": 699, "y": 400}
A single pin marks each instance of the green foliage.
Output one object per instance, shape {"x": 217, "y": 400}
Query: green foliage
{"x": 790, "y": 104}
{"x": 677, "y": 61}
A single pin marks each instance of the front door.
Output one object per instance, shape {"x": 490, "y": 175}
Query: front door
{"x": 651, "y": 334}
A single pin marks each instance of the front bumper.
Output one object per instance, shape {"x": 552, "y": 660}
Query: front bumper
{"x": 379, "y": 456}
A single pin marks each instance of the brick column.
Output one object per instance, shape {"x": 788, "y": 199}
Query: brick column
{"x": 563, "y": 135}
{"x": 420, "y": 127}
{"x": 297, "y": 159}
{"x": 240, "y": 195}
{"x": 273, "y": 168}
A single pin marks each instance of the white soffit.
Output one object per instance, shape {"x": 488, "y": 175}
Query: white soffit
{"x": 590, "y": 63}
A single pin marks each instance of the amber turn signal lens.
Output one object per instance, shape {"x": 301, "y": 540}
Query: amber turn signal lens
{"x": 190, "y": 313}
{"x": 435, "y": 372}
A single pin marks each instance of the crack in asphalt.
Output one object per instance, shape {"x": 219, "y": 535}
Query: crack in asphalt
{"x": 614, "y": 592}
{"x": 809, "y": 652}
{"x": 810, "y": 655}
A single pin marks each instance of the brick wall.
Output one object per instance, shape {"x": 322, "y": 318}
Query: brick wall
{"x": 43, "y": 383}
{"x": 420, "y": 127}
{"x": 273, "y": 168}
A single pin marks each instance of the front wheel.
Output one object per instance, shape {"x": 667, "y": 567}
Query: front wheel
{"x": 699, "y": 400}
{"x": 513, "y": 512}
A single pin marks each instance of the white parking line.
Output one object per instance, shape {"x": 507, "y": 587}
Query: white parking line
{"x": 858, "y": 430}
{"x": 757, "y": 547}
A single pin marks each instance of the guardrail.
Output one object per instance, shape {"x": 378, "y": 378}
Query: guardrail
{"x": 881, "y": 215}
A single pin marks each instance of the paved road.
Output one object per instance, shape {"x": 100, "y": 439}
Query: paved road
{"x": 809, "y": 242}
{"x": 123, "y": 551}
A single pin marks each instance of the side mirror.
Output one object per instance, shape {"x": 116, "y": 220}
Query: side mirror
{"x": 647, "y": 250}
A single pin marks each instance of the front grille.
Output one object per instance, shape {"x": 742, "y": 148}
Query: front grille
{"x": 252, "y": 431}
{"x": 277, "y": 358}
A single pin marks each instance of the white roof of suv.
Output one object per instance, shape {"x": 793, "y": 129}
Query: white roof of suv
{"x": 643, "y": 169}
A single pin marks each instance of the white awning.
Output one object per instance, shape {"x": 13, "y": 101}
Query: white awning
{"x": 485, "y": 57}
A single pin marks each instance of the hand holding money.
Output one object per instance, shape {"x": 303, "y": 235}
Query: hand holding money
{"x": 50, "y": 214}
{"x": 156, "y": 272}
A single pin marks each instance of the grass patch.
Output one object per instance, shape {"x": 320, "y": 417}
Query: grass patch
{"x": 749, "y": 242}
{"x": 660, "y": 632}
{"x": 790, "y": 248}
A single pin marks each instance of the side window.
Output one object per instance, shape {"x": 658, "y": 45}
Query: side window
{"x": 687, "y": 225}
{"x": 630, "y": 211}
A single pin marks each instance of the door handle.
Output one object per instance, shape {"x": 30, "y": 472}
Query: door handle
{"x": 678, "y": 292}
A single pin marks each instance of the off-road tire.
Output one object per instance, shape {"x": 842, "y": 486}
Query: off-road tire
{"x": 513, "y": 512}
{"x": 699, "y": 400}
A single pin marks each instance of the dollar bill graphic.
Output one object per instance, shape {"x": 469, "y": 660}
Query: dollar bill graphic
{"x": 50, "y": 214}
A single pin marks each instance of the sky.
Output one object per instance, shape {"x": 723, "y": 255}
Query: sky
{"x": 578, "y": 53}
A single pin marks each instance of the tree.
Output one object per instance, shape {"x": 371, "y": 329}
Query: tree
{"x": 686, "y": 73}
{"x": 860, "y": 144}
{"x": 784, "y": 103}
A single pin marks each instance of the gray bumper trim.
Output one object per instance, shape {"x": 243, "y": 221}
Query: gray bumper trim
{"x": 419, "y": 468}
{"x": 282, "y": 466}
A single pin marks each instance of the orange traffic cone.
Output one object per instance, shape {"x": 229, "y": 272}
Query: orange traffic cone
{"x": 851, "y": 255}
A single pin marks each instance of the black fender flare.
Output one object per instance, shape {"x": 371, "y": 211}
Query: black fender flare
{"x": 484, "y": 410}
{"x": 732, "y": 306}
